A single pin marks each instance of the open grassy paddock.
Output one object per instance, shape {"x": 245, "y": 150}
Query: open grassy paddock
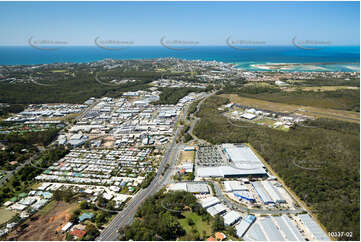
{"x": 289, "y": 108}
{"x": 58, "y": 71}
{"x": 326, "y": 88}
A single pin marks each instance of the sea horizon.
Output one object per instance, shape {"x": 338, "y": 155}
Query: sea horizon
{"x": 326, "y": 58}
{"x": 198, "y": 45}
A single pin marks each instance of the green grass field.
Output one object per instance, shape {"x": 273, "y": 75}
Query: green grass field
{"x": 199, "y": 224}
{"x": 58, "y": 71}
{"x": 266, "y": 121}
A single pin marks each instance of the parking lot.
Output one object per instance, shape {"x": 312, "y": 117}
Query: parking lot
{"x": 209, "y": 156}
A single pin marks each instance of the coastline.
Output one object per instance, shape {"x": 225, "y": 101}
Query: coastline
{"x": 272, "y": 58}
{"x": 302, "y": 67}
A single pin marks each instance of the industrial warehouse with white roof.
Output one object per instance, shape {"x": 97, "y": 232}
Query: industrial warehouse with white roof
{"x": 228, "y": 160}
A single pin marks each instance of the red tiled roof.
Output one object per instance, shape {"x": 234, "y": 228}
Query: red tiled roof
{"x": 78, "y": 233}
{"x": 220, "y": 236}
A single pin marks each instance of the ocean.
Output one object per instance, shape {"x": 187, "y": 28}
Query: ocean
{"x": 340, "y": 58}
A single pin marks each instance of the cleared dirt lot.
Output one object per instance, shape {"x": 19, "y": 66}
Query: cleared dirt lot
{"x": 186, "y": 156}
{"x": 288, "y": 108}
{"x": 44, "y": 224}
{"x": 5, "y": 215}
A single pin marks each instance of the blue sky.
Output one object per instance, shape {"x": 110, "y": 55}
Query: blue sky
{"x": 209, "y": 23}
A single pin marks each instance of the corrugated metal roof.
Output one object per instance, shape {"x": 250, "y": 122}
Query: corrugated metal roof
{"x": 243, "y": 226}
{"x": 250, "y": 218}
{"x": 231, "y": 217}
{"x": 313, "y": 227}
{"x": 255, "y": 233}
{"x": 175, "y": 186}
{"x": 197, "y": 188}
{"x": 274, "y": 194}
{"x": 240, "y": 153}
{"x": 209, "y": 172}
{"x": 216, "y": 209}
{"x": 262, "y": 192}
{"x": 230, "y": 186}
{"x": 284, "y": 228}
{"x": 209, "y": 201}
{"x": 244, "y": 195}
{"x": 271, "y": 230}
{"x": 293, "y": 227}
{"x": 222, "y": 171}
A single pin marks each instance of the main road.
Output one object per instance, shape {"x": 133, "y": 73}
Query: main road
{"x": 110, "y": 233}
{"x": 124, "y": 217}
{"x": 11, "y": 173}
{"x": 196, "y": 119}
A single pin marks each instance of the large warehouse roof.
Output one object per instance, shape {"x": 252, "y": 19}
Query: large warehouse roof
{"x": 240, "y": 153}
{"x": 227, "y": 171}
{"x": 216, "y": 209}
{"x": 313, "y": 227}
{"x": 262, "y": 192}
{"x": 244, "y": 161}
{"x": 209, "y": 201}
{"x": 293, "y": 227}
{"x": 231, "y": 217}
{"x": 178, "y": 186}
{"x": 209, "y": 172}
{"x": 274, "y": 194}
{"x": 255, "y": 233}
{"x": 189, "y": 187}
{"x": 242, "y": 156}
{"x": 197, "y": 188}
{"x": 271, "y": 230}
{"x": 285, "y": 228}
{"x": 243, "y": 226}
{"x": 230, "y": 186}
{"x": 268, "y": 229}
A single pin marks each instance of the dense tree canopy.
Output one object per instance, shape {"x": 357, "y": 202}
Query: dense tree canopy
{"x": 24, "y": 178}
{"x": 331, "y": 148}
{"x": 157, "y": 218}
{"x": 173, "y": 95}
{"x": 16, "y": 143}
